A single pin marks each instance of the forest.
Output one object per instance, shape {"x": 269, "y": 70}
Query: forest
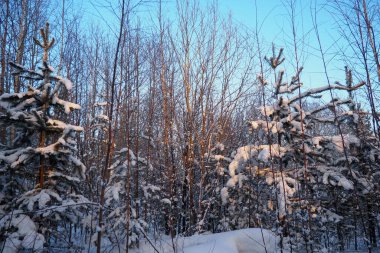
{"x": 172, "y": 126}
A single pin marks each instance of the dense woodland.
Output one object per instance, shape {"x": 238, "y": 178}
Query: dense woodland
{"x": 184, "y": 125}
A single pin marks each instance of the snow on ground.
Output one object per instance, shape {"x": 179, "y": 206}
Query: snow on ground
{"x": 251, "y": 240}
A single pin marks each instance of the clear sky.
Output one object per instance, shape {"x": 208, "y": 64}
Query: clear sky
{"x": 274, "y": 21}
{"x": 275, "y": 25}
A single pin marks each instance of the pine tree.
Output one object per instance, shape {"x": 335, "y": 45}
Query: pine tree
{"x": 41, "y": 176}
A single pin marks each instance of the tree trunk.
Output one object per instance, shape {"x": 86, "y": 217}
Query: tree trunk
{"x": 3, "y": 48}
{"x": 21, "y": 40}
{"x": 105, "y": 172}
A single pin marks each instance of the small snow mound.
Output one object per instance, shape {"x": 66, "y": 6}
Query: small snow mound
{"x": 239, "y": 241}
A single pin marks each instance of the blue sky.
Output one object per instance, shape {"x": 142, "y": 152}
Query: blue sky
{"x": 275, "y": 23}
{"x": 275, "y": 26}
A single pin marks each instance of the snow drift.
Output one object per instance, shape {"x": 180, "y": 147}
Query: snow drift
{"x": 251, "y": 240}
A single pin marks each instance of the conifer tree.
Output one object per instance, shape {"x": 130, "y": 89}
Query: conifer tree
{"x": 295, "y": 161}
{"x": 123, "y": 222}
{"x": 41, "y": 176}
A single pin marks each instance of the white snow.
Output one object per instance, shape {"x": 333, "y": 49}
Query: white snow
{"x": 334, "y": 176}
{"x": 337, "y": 141}
{"x": 219, "y": 158}
{"x": 68, "y": 106}
{"x": 255, "y": 124}
{"x": 261, "y": 153}
{"x": 100, "y": 104}
{"x": 267, "y": 110}
{"x": 150, "y": 187}
{"x": 286, "y": 186}
{"x": 239, "y": 241}
{"x": 68, "y": 84}
{"x": 26, "y": 235}
{"x": 42, "y": 197}
{"x": 224, "y": 195}
{"x": 102, "y": 117}
{"x": 58, "y": 174}
{"x": 270, "y": 126}
{"x": 166, "y": 201}
{"x": 219, "y": 146}
{"x": 116, "y": 188}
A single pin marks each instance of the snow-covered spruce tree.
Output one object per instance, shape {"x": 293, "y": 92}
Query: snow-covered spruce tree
{"x": 40, "y": 176}
{"x": 353, "y": 163}
{"x": 292, "y": 160}
{"x": 221, "y": 217}
{"x": 216, "y": 218}
{"x": 122, "y": 222}
{"x": 367, "y": 176}
{"x": 122, "y": 211}
{"x": 97, "y": 132}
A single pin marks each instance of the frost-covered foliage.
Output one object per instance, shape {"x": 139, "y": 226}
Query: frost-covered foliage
{"x": 40, "y": 174}
{"x": 300, "y": 165}
{"x": 122, "y": 208}
{"x": 217, "y": 217}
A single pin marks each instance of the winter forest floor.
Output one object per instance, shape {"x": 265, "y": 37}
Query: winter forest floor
{"x": 239, "y": 241}
{"x": 252, "y": 240}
